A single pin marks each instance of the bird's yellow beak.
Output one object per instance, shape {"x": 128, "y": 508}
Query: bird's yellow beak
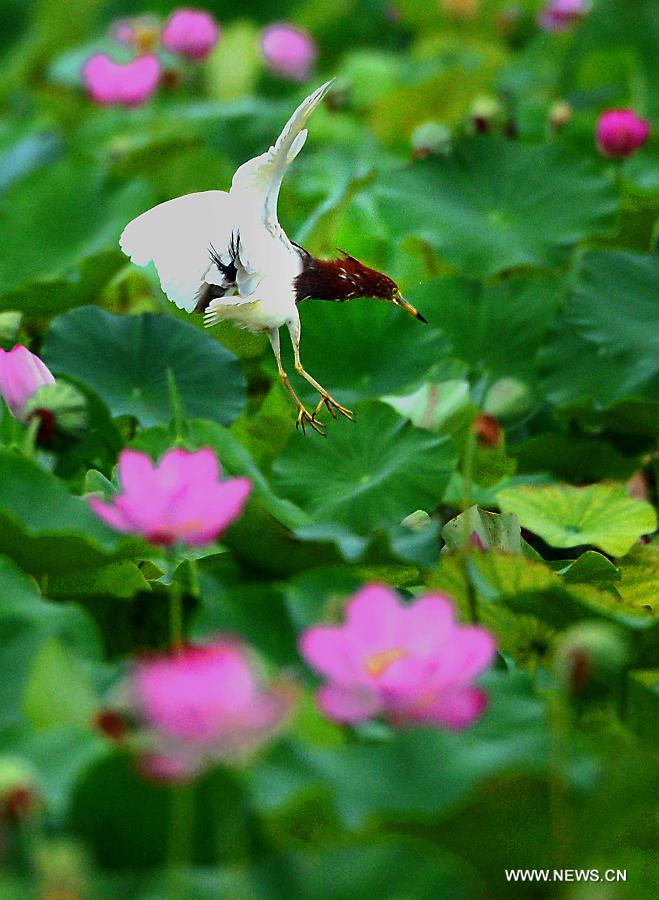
{"x": 399, "y": 300}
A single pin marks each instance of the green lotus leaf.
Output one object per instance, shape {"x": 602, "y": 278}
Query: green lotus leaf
{"x": 125, "y": 360}
{"x": 492, "y": 531}
{"x": 512, "y": 736}
{"x": 606, "y": 344}
{"x": 496, "y": 327}
{"x": 497, "y": 205}
{"x": 122, "y": 580}
{"x": 591, "y": 568}
{"x": 27, "y": 621}
{"x": 530, "y": 591}
{"x": 57, "y": 217}
{"x": 45, "y": 529}
{"x": 58, "y": 692}
{"x": 368, "y": 475}
{"x": 566, "y": 516}
{"x": 639, "y": 577}
{"x": 52, "y": 296}
{"x": 365, "y": 349}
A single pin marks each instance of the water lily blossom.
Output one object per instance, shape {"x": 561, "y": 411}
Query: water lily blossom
{"x": 620, "y": 132}
{"x": 203, "y": 703}
{"x": 21, "y": 375}
{"x": 121, "y": 84}
{"x": 288, "y": 51}
{"x": 180, "y": 499}
{"x": 561, "y": 15}
{"x": 411, "y": 663}
{"x": 190, "y": 32}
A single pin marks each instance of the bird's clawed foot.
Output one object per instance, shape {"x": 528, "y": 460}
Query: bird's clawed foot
{"x": 305, "y": 418}
{"x": 331, "y": 404}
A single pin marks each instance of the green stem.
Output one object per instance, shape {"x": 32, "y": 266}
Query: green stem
{"x": 181, "y": 824}
{"x": 472, "y": 596}
{"x": 175, "y": 591}
{"x": 175, "y": 614}
{"x": 467, "y": 470}
{"x": 467, "y": 485}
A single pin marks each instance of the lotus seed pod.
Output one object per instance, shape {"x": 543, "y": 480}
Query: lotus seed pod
{"x": 590, "y": 657}
{"x": 485, "y": 114}
{"x": 431, "y": 139}
{"x": 18, "y": 788}
{"x": 62, "y": 411}
{"x": 507, "y": 398}
{"x": 560, "y": 115}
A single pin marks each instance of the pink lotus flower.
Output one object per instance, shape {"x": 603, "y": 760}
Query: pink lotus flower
{"x": 561, "y": 15}
{"x": 201, "y": 704}
{"x": 21, "y": 375}
{"x": 620, "y": 132}
{"x": 412, "y": 663}
{"x": 288, "y": 51}
{"x": 117, "y": 84}
{"x": 179, "y": 499}
{"x": 190, "y": 32}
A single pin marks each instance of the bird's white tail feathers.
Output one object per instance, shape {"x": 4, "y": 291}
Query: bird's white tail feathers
{"x": 228, "y": 308}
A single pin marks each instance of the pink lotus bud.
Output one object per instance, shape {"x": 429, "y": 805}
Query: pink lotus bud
{"x": 21, "y": 375}
{"x": 413, "y": 663}
{"x": 190, "y": 32}
{"x": 117, "y": 84}
{"x": 181, "y": 499}
{"x": 620, "y": 132}
{"x": 202, "y": 704}
{"x": 288, "y": 51}
{"x": 561, "y": 15}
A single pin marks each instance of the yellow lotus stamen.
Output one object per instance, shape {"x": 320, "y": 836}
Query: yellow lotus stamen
{"x": 380, "y": 662}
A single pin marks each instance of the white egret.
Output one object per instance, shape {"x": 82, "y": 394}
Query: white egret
{"x": 224, "y": 254}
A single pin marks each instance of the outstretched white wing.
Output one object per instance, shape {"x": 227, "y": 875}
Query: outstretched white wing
{"x": 177, "y": 236}
{"x": 259, "y": 179}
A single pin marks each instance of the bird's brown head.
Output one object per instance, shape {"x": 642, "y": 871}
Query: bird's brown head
{"x": 346, "y": 278}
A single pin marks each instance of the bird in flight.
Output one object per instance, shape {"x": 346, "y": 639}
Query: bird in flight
{"x": 225, "y": 255}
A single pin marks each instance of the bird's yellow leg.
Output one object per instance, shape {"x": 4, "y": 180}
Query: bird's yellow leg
{"x": 326, "y": 398}
{"x": 304, "y": 417}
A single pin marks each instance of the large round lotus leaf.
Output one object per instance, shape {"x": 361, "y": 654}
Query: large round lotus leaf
{"x": 125, "y": 360}
{"x": 497, "y": 327}
{"x": 366, "y": 349}
{"x": 367, "y": 475}
{"x": 566, "y": 516}
{"x": 497, "y": 205}
{"x": 606, "y": 345}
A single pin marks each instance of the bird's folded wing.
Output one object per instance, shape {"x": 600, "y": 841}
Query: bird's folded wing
{"x": 176, "y": 236}
{"x": 263, "y": 175}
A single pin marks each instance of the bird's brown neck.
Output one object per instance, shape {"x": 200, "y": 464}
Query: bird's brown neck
{"x": 338, "y": 279}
